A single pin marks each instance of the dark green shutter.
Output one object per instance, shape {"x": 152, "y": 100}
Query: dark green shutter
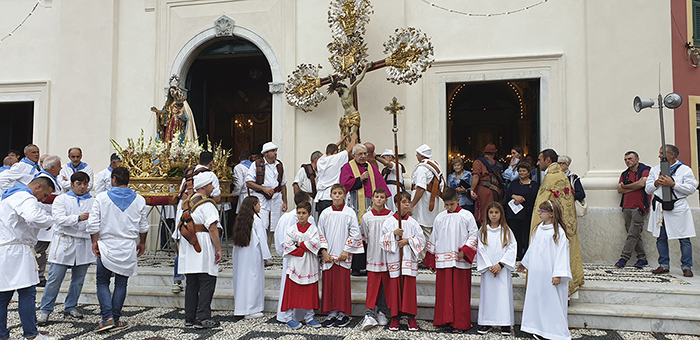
{"x": 696, "y": 22}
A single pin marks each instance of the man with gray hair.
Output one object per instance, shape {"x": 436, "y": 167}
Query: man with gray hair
{"x": 305, "y": 179}
{"x": 674, "y": 222}
{"x": 7, "y": 163}
{"x": 22, "y": 171}
{"x": 52, "y": 167}
{"x": 75, "y": 156}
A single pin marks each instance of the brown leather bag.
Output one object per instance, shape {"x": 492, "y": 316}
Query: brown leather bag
{"x": 260, "y": 176}
{"x": 186, "y": 225}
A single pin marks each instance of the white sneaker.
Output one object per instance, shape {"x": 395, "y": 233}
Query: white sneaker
{"x": 381, "y": 319}
{"x": 177, "y": 288}
{"x": 43, "y": 337}
{"x": 254, "y": 316}
{"x": 368, "y": 323}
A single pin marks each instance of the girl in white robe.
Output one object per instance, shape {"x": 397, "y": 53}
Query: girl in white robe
{"x": 547, "y": 262}
{"x": 495, "y": 261}
{"x": 249, "y": 252}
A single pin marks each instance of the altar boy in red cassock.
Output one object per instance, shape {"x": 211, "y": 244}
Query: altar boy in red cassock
{"x": 340, "y": 238}
{"x": 402, "y": 295}
{"x": 301, "y": 245}
{"x": 451, "y": 250}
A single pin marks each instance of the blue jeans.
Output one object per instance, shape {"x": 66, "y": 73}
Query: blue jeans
{"x": 27, "y": 314}
{"x": 176, "y": 276}
{"x": 662, "y": 247}
{"x": 110, "y": 304}
{"x": 56, "y": 274}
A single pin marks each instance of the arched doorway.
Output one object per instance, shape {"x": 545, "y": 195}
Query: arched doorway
{"x": 505, "y": 113}
{"x": 228, "y": 90}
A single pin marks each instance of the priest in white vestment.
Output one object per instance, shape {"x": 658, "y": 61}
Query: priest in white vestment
{"x": 21, "y": 217}
{"x": 75, "y": 164}
{"x": 118, "y": 226}
{"x": 249, "y": 260}
{"x": 201, "y": 268}
{"x": 70, "y": 248}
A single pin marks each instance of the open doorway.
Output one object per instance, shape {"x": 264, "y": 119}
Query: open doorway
{"x": 228, "y": 90}
{"x": 17, "y": 124}
{"x": 505, "y": 113}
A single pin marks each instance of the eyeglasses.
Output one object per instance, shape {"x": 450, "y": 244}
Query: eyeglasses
{"x": 543, "y": 211}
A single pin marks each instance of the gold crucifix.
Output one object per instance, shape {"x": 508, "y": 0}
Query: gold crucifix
{"x": 394, "y": 107}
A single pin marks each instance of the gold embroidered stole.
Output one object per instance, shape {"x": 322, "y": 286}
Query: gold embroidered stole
{"x": 361, "y": 208}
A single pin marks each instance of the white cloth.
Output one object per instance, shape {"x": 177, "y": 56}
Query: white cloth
{"x": 203, "y": 179}
{"x": 189, "y": 260}
{"x": 303, "y": 181}
{"x": 339, "y": 232}
{"x": 19, "y": 172}
{"x": 302, "y": 270}
{"x": 546, "y": 305}
{"x": 103, "y": 181}
{"x": 71, "y": 244}
{"x": 679, "y": 221}
{"x": 118, "y": 232}
{"x": 21, "y": 217}
{"x": 451, "y": 232}
{"x": 240, "y": 172}
{"x": 411, "y": 252}
{"x": 272, "y": 206}
{"x": 328, "y": 173}
{"x": 421, "y": 177}
{"x": 289, "y": 219}
{"x": 371, "y": 230}
{"x": 249, "y": 272}
{"x": 392, "y": 187}
{"x": 496, "y": 293}
{"x": 67, "y": 171}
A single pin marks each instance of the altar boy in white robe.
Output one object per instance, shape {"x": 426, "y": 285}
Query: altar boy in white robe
{"x": 21, "y": 217}
{"x": 289, "y": 220}
{"x": 201, "y": 268}
{"x": 495, "y": 261}
{"x": 70, "y": 248}
{"x": 118, "y": 226}
{"x": 451, "y": 250}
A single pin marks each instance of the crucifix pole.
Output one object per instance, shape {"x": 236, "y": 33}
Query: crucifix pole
{"x": 394, "y": 109}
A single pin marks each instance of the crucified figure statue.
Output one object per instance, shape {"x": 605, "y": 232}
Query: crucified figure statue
{"x": 350, "y": 122}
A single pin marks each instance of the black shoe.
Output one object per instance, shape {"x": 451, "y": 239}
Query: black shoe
{"x": 208, "y": 323}
{"x": 189, "y": 323}
{"x": 328, "y": 322}
{"x": 342, "y": 321}
{"x": 484, "y": 329}
{"x": 506, "y": 330}
{"x": 41, "y": 283}
{"x": 356, "y": 272}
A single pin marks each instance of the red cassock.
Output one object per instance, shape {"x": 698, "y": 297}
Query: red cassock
{"x": 336, "y": 290}
{"x": 453, "y": 290}
{"x": 299, "y": 296}
{"x": 375, "y": 282}
{"x": 402, "y": 300}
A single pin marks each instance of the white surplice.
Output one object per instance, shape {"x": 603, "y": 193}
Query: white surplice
{"x": 679, "y": 221}
{"x": 451, "y": 232}
{"x": 328, "y": 173}
{"x": 423, "y": 173}
{"x": 67, "y": 171}
{"x": 249, "y": 272}
{"x": 371, "y": 229}
{"x": 118, "y": 232}
{"x": 21, "y": 172}
{"x": 411, "y": 252}
{"x": 302, "y": 270}
{"x": 546, "y": 305}
{"x": 103, "y": 181}
{"x": 189, "y": 260}
{"x": 340, "y": 232}
{"x": 71, "y": 244}
{"x": 21, "y": 217}
{"x": 288, "y": 220}
{"x": 496, "y": 293}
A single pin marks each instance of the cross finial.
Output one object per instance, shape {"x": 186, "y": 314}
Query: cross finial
{"x": 394, "y": 107}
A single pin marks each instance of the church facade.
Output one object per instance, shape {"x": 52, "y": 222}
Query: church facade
{"x": 563, "y": 75}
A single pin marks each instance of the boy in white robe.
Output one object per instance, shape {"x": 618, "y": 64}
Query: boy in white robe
{"x": 545, "y": 308}
{"x": 495, "y": 261}
{"x": 118, "y": 226}
{"x": 70, "y": 248}
{"x": 301, "y": 245}
{"x": 289, "y": 220}
{"x": 340, "y": 238}
{"x": 407, "y": 241}
{"x": 201, "y": 268}
{"x": 377, "y": 269}
{"x": 21, "y": 217}
{"x": 451, "y": 251}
